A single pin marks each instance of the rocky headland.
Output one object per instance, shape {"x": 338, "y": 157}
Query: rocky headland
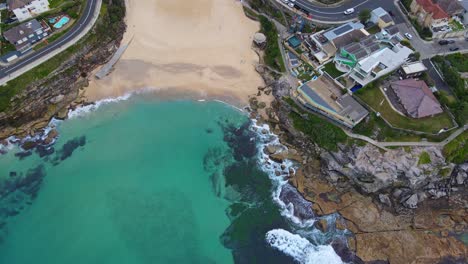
{"x": 397, "y": 209}
{"x": 32, "y": 108}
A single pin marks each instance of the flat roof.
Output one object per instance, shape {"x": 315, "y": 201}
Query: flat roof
{"x": 351, "y": 108}
{"x": 314, "y": 96}
{"x": 389, "y": 58}
{"x": 341, "y": 30}
{"x": 414, "y": 67}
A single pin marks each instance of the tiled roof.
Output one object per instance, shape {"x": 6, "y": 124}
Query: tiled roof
{"x": 13, "y": 4}
{"x": 416, "y": 98}
{"x": 434, "y": 9}
{"x": 451, "y": 7}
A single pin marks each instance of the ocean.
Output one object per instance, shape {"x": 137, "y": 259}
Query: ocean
{"x": 140, "y": 180}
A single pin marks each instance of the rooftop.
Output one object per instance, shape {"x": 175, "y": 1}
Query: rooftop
{"x": 432, "y": 8}
{"x": 13, "y": 4}
{"x": 385, "y": 57}
{"x": 414, "y": 67}
{"x": 416, "y": 98}
{"x": 343, "y": 29}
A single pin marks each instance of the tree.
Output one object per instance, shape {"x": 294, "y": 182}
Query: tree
{"x": 364, "y": 15}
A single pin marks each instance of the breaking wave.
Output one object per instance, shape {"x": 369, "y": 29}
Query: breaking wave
{"x": 301, "y": 249}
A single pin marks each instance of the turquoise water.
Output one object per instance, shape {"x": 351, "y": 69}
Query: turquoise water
{"x": 64, "y": 20}
{"x": 146, "y": 181}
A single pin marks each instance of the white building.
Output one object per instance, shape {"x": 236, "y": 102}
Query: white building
{"x": 26, "y": 9}
{"x": 379, "y": 63}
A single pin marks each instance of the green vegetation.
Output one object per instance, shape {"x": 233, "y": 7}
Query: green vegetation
{"x": 306, "y": 72}
{"x": 103, "y": 33}
{"x": 318, "y": 130}
{"x": 458, "y": 61}
{"x": 407, "y": 4}
{"x": 458, "y": 107}
{"x": 372, "y": 95}
{"x": 374, "y": 29}
{"x": 331, "y": 69}
{"x": 406, "y": 43}
{"x": 457, "y": 150}
{"x": 6, "y": 47}
{"x": 250, "y": 13}
{"x": 55, "y": 3}
{"x": 364, "y": 15}
{"x": 424, "y": 158}
{"x": 423, "y": 32}
{"x": 455, "y": 25}
{"x": 272, "y": 56}
{"x": 265, "y": 6}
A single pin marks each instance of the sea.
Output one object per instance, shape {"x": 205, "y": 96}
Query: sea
{"x": 141, "y": 180}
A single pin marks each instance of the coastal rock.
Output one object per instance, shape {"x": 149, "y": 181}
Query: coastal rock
{"x": 51, "y": 137}
{"x": 322, "y": 224}
{"x": 403, "y": 247}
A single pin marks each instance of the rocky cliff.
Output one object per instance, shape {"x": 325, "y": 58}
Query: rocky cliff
{"x": 34, "y": 106}
{"x": 406, "y": 205}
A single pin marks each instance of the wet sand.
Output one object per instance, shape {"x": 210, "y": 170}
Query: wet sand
{"x": 196, "y": 48}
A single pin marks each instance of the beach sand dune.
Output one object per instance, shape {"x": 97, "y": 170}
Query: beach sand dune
{"x": 197, "y": 47}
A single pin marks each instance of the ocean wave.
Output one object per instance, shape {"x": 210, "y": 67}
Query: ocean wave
{"x": 85, "y": 109}
{"x": 301, "y": 249}
{"x": 271, "y": 168}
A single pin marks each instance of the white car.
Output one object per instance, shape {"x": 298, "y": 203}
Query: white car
{"x": 349, "y": 11}
{"x": 291, "y": 5}
{"x": 408, "y": 36}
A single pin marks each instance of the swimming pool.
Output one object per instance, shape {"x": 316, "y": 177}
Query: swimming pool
{"x": 64, "y": 20}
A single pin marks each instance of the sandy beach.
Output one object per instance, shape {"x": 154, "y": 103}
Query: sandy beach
{"x": 197, "y": 48}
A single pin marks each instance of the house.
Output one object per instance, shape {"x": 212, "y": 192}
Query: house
{"x": 429, "y": 14}
{"x": 344, "y": 34}
{"x": 26, "y": 9}
{"x": 451, "y": 7}
{"x": 416, "y": 98}
{"x": 351, "y": 53}
{"x": 414, "y": 69}
{"x": 25, "y": 35}
{"x": 381, "y": 18}
{"x": 379, "y": 63}
{"x": 324, "y": 97}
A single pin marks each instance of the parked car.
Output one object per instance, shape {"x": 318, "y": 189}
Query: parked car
{"x": 291, "y": 5}
{"x": 349, "y": 11}
{"x": 408, "y": 35}
{"x": 443, "y": 42}
{"x": 454, "y": 48}
{"x": 451, "y": 41}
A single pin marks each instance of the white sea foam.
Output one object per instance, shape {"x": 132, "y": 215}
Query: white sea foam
{"x": 270, "y": 166}
{"x": 84, "y": 110}
{"x": 301, "y": 249}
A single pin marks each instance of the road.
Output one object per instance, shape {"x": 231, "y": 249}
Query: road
{"x": 335, "y": 13}
{"x": 79, "y": 27}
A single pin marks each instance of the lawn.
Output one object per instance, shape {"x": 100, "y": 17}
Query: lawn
{"x": 424, "y": 158}
{"x": 373, "y": 96}
{"x": 332, "y": 70}
{"x": 457, "y": 150}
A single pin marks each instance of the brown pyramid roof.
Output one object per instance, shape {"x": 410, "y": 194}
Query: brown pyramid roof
{"x": 416, "y": 98}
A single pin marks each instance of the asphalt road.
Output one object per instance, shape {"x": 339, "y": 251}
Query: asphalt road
{"x": 335, "y": 13}
{"x": 79, "y": 26}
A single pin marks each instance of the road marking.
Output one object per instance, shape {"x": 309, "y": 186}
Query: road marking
{"x": 311, "y": 6}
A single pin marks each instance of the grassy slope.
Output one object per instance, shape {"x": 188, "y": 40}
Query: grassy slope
{"x": 373, "y": 96}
